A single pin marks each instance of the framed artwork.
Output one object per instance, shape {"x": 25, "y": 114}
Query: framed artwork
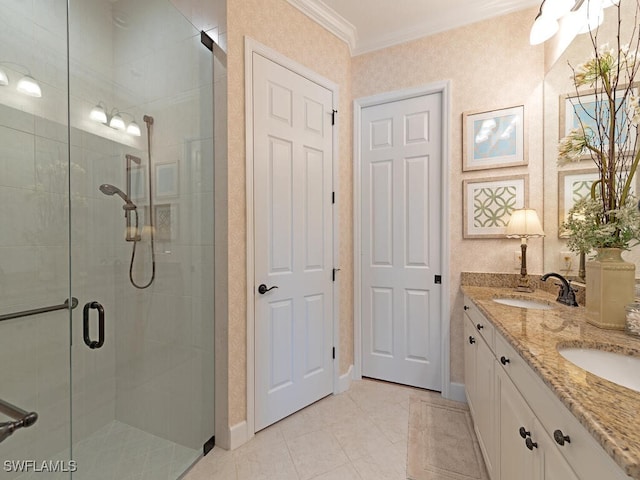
{"x": 167, "y": 179}
{"x": 573, "y": 185}
{"x": 488, "y": 204}
{"x": 166, "y": 221}
{"x": 572, "y": 113}
{"x": 493, "y": 139}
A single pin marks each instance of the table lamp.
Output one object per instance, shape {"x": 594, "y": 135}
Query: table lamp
{"x": 524, "y": 224}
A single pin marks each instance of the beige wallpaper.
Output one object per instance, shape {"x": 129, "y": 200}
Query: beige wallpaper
{"x": 280, "y": 26}
{"x": 490, "y": 65}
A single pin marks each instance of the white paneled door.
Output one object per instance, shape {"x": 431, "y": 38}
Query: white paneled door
{"x": 401, "y": 155}
{"x": 293, "y": 177}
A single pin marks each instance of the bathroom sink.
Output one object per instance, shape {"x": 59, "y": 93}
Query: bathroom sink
{"x": 524, "y": 303}
{"x": 615, "y": 367}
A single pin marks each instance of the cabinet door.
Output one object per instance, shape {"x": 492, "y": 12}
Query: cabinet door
{"x": 470, "y": 349}
{"x": 516, "y": 460}
{"x": 555, "y": 466}
{"x": 485, "y": 404}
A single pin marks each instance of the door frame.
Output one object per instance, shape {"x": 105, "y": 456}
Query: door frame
{"x": 250, "y": 47}
{"x": 443, "y": 88}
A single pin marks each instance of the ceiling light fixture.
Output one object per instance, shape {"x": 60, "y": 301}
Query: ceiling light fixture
{"x": 98, "y": 113}
{"x": 587, "y": 15}
{"x": 117, "y": 122}
{"x": 29, "y": 86}
{"x": 26, "y": 85}
{"x": 114, "y": 119}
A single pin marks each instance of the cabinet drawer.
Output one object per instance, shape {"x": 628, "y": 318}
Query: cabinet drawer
{"x": 582, "y": 452}
{"x": 483, "y": 326}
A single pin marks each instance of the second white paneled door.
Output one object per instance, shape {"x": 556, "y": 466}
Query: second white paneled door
{"x": 401, "y": 155}
{"x": 293, "y": 179}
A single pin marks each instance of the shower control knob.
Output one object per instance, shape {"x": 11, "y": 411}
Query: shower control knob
{"x": 262, "y": 289}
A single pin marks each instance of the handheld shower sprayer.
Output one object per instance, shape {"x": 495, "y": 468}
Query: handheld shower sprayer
{"x": 133, "y": 233}
{"x": 109, "y": 189}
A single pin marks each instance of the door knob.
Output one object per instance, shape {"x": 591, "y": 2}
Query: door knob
{"x": 262, "y": 289}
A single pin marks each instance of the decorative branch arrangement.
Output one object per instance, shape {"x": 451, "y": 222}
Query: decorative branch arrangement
{"x": 608, "y": 114}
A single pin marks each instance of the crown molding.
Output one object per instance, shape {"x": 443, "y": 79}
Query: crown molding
{"x": 329, "y": 19}
{"x": 455, "y": 19}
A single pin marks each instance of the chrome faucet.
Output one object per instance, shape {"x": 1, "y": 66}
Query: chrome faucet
{"x": 567, "y": 294}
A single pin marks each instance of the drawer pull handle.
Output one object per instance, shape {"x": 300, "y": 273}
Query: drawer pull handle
{"x": 504, "y": 360}
{"x": 523, "y": 432}
{"x": 466, "y": 307}
{"x": 472, "y": 340}
{"x": 531, "y": 444}
{"x": 479, "y": 326}
{"x": 561, "y": 438}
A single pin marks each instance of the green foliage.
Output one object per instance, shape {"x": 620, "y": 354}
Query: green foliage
{"x": 589, "y": 227}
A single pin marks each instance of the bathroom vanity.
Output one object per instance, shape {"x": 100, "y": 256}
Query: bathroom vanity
{"x": 536, "y": 414}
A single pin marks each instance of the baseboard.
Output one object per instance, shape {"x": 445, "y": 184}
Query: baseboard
{"x": 456, "y": 392}
{"x": 344, "y": 381}
{"x": 238, "y": 435}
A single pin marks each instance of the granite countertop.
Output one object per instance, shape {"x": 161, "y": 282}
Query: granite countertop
{"x": 611, "y": 413}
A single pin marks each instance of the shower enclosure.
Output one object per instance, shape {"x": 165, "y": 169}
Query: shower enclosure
{"x": 100, "y": 379}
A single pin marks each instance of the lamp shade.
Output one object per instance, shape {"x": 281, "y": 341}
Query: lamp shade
{"x": 117, "y": 122}
{"x": 557, "y": 8}
{"x": 29, "y": 86}
{"x": 543, "y": 29}
{"x": 524, "y": 223}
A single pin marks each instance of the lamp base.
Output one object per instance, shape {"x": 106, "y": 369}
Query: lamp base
{"x": 524, "y": 285}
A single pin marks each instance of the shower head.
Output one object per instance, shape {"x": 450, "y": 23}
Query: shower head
{"x": 109, "y": 189}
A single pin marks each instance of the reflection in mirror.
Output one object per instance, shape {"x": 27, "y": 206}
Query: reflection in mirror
{"x": 564, "y": 185}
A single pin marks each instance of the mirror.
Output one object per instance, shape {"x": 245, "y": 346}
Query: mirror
{"x": 562, "y": 184}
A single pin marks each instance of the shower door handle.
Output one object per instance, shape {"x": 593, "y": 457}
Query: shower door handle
{"x": 93, "y": 344}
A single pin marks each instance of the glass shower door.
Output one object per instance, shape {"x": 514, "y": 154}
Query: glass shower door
{"x": 141, "y": 194}
{"x": 34, "y": 241}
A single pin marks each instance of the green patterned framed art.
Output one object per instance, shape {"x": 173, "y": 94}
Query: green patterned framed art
{"x": 573, "y": 185}
{"x": 489, "y": 202}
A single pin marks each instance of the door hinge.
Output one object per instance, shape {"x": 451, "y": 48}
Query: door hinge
{"x": 333, "y": 274}
{"x": 333, "y": 197}
{"x": 333, "y": 116}
{"x": 333, "y": 353}
{"x": 438, "y": 279}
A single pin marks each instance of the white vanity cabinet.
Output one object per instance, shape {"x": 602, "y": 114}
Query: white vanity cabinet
{"x": 527, "y": 452}
{"x": 525, "y": 432}
{"x": 480, "y": 368}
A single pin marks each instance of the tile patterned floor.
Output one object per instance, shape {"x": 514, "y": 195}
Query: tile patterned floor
{"x": 119, "y": 451}
{"x": 358, "y": 435}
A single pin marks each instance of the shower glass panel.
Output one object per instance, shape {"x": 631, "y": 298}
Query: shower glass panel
{"x": 34, "y": 226}
{"x": 106, "y": 195}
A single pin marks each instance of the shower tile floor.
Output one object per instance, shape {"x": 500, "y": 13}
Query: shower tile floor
{"x": 119, "y": 451}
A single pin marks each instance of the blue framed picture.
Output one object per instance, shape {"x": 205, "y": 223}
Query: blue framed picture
{"x": 573, "y": 114}
{"x": 493, "y": 139}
